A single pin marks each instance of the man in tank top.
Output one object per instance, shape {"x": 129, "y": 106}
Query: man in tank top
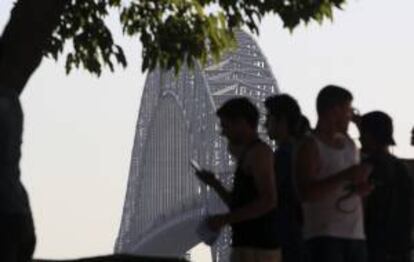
{"x": 331, "y": 182}
{"x": 253, "y": 198}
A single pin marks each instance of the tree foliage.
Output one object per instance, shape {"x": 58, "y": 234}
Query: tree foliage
{"x": 172, "y": 32}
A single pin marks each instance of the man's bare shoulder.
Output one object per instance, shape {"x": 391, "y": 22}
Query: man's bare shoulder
{"x": 258, "y": 153}
{"x": 259, "y": 157}
{"x": 261, "y": 149}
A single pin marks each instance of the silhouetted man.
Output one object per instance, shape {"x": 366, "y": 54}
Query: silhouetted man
{"x": 412, "y": 136}
{"x": 388, "y": 207}
{"x": 330, "y": 180}
{"x": 252, "y": 201}
{"x": 284, "y": 125}
{"x": 17, "y": 239}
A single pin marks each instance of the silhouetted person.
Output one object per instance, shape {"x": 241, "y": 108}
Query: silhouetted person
{"x": 330, "y": 180}
{"x": 252, "y": 200}
{"x": 412, "y": 136}
{"x": 284, "y": 125}
{"x": 17, "y": 239}
{"x": 387, "y": 208}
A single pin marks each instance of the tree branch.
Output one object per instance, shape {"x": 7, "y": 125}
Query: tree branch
{"x": 22, "y": 43}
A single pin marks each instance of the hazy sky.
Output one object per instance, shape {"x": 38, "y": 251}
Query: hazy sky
{"x": 79, "y": 129}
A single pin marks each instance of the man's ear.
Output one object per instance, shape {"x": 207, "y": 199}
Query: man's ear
{"x": 334, "y": 111}
{"x": 243, "y": 122}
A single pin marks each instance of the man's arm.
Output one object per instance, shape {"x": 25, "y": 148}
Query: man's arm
{"x": 260, "y": 164}
{"x": 307, "y": 165}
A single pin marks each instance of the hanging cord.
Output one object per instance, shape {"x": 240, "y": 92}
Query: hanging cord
{"x": 350, "y": 189}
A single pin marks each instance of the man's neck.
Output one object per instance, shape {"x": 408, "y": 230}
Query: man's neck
{"x": 326, "y": 131}
{"x": 380, "y": 150}
{"x": 249, "y": 139}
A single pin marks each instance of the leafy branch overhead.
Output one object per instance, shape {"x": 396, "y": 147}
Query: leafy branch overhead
{"x": 172, "y": 32}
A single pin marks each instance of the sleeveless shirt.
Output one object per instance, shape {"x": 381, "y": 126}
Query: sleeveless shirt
{"x": 322, "y": 217}
{"x": 259, "y": 232}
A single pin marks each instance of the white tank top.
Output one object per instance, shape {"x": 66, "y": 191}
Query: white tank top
{"x": 322, "y": 217}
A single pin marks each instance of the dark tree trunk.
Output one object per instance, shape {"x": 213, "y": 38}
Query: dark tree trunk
{"x": 21, "y": 49}
{"x": 24, "y": 38}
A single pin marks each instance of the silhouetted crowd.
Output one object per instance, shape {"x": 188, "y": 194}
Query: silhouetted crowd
{"x": 317, "y": 197}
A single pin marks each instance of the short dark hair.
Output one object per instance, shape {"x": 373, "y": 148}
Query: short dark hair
{"x": 285, "y": 106}
{"x": 240, "y": 108}
{"x": 331, "y": 96}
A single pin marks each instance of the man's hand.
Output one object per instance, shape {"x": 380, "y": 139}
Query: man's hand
{"x": 358, "y": 174}
{"x": 362, "y": 173}
{"x": 359, "y": 177}
{"x": 207, "y": 177}
{"x": 217, "y": 222}
{"x": 364, "y": 189}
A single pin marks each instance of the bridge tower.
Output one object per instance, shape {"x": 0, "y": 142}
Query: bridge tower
{"x": 164, "y": 200}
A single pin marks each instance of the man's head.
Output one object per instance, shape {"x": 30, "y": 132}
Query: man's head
{"x": 283, "y": 116}
{"x": 238, "y": 118}
{"x": 376, "y": 130}
{"x": 334, "y": 105}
